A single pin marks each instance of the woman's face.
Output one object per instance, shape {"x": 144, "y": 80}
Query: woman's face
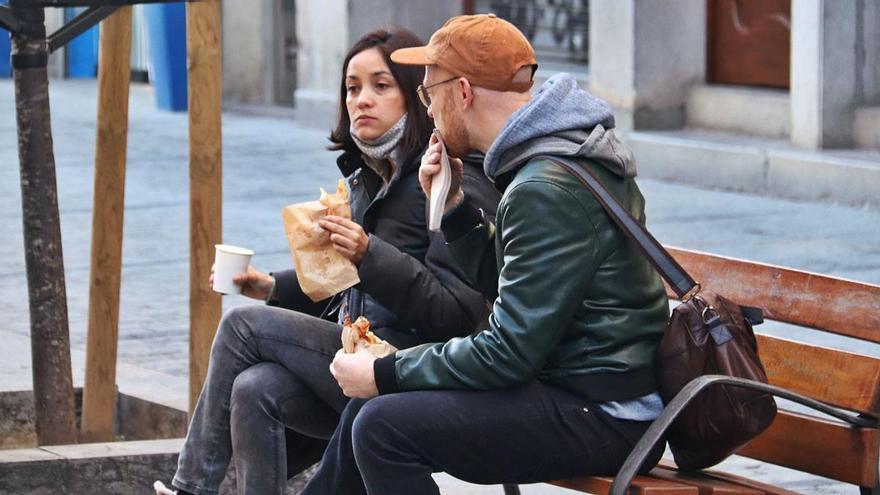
{"x": 373, "y": 98}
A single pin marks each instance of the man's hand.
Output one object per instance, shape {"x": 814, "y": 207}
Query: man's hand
{"x": 431, "y": 166}
{"x": 348, "y": 238}
{"x": 354, "y": 373}
{"x": 254, "y": 283}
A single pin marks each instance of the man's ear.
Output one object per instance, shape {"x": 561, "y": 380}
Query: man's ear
{"x": 465, "y": 93}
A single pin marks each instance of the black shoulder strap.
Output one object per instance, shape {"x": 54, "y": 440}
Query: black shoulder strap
{"x": 669, "y": 269}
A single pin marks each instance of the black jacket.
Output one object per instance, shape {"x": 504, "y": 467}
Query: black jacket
{"x": 411, "y": 290}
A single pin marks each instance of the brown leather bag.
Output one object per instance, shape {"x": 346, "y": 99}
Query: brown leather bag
{"x": 706, "y": 335}
{"x": 711, "y": 335}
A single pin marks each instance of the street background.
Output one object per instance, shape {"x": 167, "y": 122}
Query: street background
{"x": 271, "y": 159}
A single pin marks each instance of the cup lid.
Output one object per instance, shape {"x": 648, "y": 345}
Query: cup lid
{"x": 233, "y": 249}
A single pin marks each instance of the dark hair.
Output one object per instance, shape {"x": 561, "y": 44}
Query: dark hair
{"x": 408, "y": 77}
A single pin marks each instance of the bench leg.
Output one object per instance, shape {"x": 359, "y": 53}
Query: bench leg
{"x": 511, "y": 489}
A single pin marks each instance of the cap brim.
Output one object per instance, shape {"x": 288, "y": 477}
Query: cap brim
{"x": 416, "y": 55}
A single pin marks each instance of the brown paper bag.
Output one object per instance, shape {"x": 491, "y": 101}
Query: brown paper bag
{"x": 320, "y": 269}
{"x": 359, "y": 331}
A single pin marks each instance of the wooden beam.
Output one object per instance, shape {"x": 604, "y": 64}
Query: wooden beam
{"x": 842, "y": 379}
{"x": 819, "y": 446}
{"x": 837, "y": 305}
{"x": 706, "y": 484}
{"x": 205, "y": 175}
{"x": 641, "y": 485}
{"x": 712, "y": 482}
{"x": 114, "y": 69}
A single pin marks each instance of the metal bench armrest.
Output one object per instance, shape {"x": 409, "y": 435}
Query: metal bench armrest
{"x": 658, "y": 428}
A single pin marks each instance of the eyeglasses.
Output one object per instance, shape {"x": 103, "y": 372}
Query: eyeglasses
{"x": 423, "y": 91}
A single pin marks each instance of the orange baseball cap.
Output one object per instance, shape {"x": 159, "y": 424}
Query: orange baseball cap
{"x": 485, "y": 49}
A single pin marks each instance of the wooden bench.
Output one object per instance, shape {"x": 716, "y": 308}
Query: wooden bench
{"x": 844, "y": 384}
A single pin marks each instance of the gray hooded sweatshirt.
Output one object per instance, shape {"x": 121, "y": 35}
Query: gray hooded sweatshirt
{"x": 562, "y": 120}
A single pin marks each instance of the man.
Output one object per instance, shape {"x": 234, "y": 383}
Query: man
{"x": 561, "y": 383}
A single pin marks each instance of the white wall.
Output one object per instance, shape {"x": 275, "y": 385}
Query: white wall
{"x": 644, "y": 57}
{"x": 247, "y": 51}
{"x": 870, "y": 56}
{"x": 322, "y": 33}
{"x": 423, "y": 18}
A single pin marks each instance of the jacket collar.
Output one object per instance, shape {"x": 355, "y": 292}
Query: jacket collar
{"x": 350, "y": 161}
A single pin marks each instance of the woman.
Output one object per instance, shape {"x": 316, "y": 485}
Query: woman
{"x": 269, "y": 396}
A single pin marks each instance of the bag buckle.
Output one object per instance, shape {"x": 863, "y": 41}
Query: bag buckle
{"x": 692, "y": 293}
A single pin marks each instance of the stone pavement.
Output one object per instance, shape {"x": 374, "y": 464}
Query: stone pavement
{"x": 269, "y": 161}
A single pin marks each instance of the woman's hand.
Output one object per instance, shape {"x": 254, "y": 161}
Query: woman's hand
{"x": 254, "y": 283}
{"x": 348, "y": 238}
{"x": 431, "y": 166}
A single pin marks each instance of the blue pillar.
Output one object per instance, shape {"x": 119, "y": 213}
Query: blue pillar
{"x": 5, "y": 51}
{"x": 166, "y": 29}
{"x": 82, "y": 51}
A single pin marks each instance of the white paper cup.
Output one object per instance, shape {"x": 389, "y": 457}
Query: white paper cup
{"x": 229, "y": 261}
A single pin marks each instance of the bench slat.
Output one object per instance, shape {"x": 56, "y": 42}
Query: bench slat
{"x": 708, "y": 478}
{"x": 819, "y": 446}
{"x": 706, "y": 484}
{"x": 844, "y": 379}
{"x": 641, "y": 485}
{"x": 836, "y": 305}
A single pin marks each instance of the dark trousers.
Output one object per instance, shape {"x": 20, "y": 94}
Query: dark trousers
{"x": 391, "y": 444}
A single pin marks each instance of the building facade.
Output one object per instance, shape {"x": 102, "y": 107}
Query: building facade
{"x": 803, "y": 71}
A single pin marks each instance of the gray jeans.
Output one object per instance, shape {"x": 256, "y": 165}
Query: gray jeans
{"x": 269, "y": 369}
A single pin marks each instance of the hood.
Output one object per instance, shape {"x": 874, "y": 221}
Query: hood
{"x": 563, "y": 120}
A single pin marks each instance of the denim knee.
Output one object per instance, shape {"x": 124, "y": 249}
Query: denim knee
{"x": 249, "y": 392}
{"x": 239, "y": 317}
{"x": 234, "y": 326}
{"x": 372, "y": 426}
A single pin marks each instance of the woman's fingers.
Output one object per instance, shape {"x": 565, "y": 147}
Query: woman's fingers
{"x": 340, "y": 234}
{"x": 348, "y": 237}
{"x": 343, "y": 227}
{"x": 334, "y": 227}
{"x": 347, "y": 253}
{"x": 344, "y": 222}
{"x": 342, "y": 241}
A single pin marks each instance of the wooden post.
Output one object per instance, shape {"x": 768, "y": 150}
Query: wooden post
{"x": 50, "y": 336}
{"x": 205, "y": 175}
{"x": 114, "y": 70}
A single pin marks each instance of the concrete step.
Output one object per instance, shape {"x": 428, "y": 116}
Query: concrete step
{"x": 867, "y": 127}
{"x": 769, "y": 167}
{"x": 737, "y": 109}
{"x": 111, "y": 468}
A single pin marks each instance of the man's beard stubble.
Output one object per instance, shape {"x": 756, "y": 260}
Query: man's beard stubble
{"x": 455, "y": 136}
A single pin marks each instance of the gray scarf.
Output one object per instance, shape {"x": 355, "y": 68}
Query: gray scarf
{"x": 381, "y": 147}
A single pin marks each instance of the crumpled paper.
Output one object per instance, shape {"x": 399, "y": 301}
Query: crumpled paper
{"x": 320, "y": 269}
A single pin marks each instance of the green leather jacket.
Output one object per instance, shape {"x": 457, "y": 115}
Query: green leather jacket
{"x": 578, "y": 306}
